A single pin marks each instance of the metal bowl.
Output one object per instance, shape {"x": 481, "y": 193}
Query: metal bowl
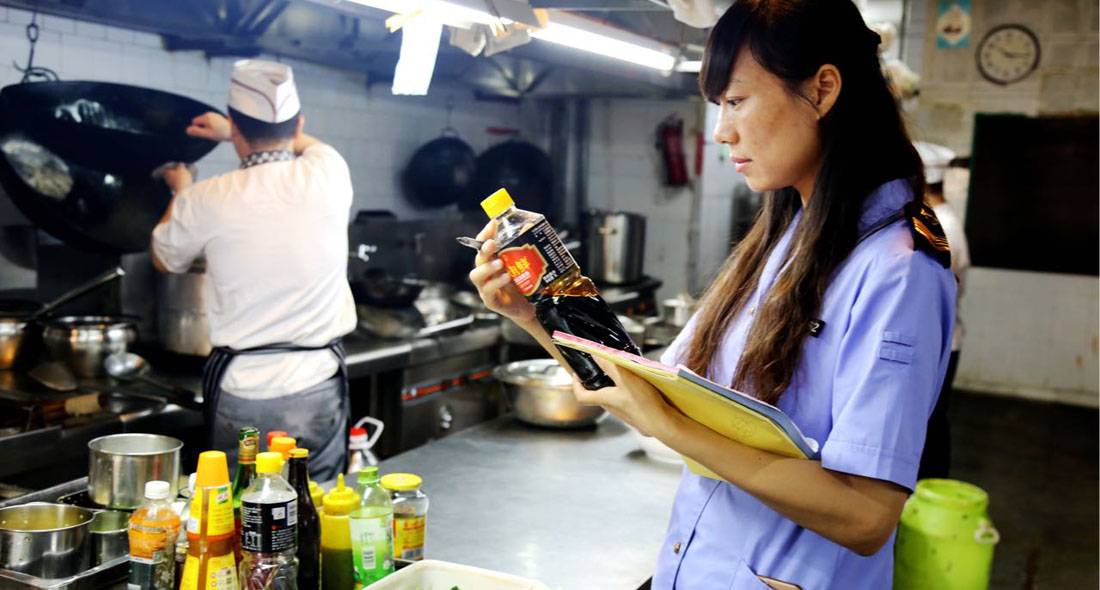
{"x": 540, "y": 392}
{"x": 12, "y": 332}
{"x": 84, "y": 342}
{"x": 120, "y": 464}
{"x": 45, "y": 540}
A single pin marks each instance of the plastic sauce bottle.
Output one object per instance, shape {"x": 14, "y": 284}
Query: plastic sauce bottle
{"x": 410, "y": 512}
{"x": 272, "y": 435}
{"x": 248, "y": 440}
{"x": 309, "y": 523}
{"x": 337, "y": 571}
{"x": 152, "y": 534}
{"x": 357, "y": 447}
{"x": 269, "y": 529}
{"x": 546, "y": 273}
{"x": 317, "y": 494}
{"x": 211, "y": 560}
{"x": 372, "y": 530}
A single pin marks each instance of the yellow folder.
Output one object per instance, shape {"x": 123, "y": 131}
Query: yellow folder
{"x": 725, "y": 411}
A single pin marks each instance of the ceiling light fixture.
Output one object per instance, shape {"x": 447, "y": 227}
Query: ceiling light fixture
{"x": 594, "y": 37}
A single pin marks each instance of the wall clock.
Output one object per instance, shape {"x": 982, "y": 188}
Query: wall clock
{"x": 1007, "y": 54}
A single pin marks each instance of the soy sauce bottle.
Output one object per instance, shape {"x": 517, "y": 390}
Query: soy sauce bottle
{"x": 564, "y": 299}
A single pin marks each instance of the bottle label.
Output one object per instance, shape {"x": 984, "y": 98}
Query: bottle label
{"x": 536, "y": 258}
{"x": 221, "y": 573}
{"x": 408, "y": 538}
{"x": 247, "y": 451}
{"x": 220, "y": 513}
{"x": 269, "y": 527}
{"x": 372, "y": 547}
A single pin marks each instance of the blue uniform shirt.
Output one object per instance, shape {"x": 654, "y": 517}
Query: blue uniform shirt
{"x": 864, "y": 389}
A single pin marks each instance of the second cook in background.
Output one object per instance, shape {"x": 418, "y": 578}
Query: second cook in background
{"x": 838, "y": 307}
{"x": 274, "y": 235}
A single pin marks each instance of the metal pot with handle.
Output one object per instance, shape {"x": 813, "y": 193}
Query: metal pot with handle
{"x": 45, "y": 540}
{"x": 84, "y": 342}
{"x": 119, "y": 465}
{"x": 615, "y": 246}
{"x": 181, "y": 311}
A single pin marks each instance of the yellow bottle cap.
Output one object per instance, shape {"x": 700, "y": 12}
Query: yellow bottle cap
{"x": 212, "y": 470}
{"x": 497, "y": 203}
{"x": 299, "y": 453}
{"x": 269, "y": 462}
{"x": 341, "y": 500}
{"x": 282, "y": 445}
{"x": 401, "y": 481}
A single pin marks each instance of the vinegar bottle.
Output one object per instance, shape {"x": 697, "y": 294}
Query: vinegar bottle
{"x": 546, "y": 273}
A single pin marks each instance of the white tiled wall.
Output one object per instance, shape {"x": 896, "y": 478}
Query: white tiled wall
{"x": 1031, "y": 334}
{"x": 626, "y": 174}
{"x": 375, "y": 131}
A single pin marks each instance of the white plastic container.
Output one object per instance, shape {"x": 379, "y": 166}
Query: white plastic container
{"x": 432, "y": 574}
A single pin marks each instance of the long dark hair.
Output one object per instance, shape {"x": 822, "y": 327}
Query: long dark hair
{"x": 864, "y": 144}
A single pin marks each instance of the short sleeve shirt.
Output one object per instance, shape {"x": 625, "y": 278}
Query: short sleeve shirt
{"x": 864, "y": 389}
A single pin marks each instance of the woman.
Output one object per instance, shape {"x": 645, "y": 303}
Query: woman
{"x": 832, "y": 308}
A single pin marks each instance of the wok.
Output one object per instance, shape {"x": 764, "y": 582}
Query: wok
{"x": 439, "y": 173}
{"x": 381, "y": 289}
{"x": 522, "y": 168}
{"x": 87, "y": 183}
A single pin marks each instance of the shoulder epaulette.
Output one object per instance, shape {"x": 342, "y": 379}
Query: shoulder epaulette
{"x": 927, "y": 232}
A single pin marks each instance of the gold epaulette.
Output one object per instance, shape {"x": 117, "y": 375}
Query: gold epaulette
{"x": 927, "y": 232}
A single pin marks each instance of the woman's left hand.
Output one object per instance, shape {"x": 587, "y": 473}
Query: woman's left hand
{"x": 632, "y": 400}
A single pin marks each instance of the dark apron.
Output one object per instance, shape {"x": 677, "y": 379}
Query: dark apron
{"x": 217, "y": 364}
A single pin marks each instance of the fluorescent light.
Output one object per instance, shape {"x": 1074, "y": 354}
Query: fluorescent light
{"x": 593, "y": 42}
{"x": 690, "y": 66}
{"x": 458, "y": 13}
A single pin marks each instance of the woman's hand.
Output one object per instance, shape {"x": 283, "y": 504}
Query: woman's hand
{"x": 211, "y": 126}
{"x": 494, "y": 284}
{"x": 632, "y": 400}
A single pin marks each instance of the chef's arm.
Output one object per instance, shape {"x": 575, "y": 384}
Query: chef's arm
{"x": 857, "y": 512}
{"x": 177, "y": 178}
{"x": 302, "y": 142}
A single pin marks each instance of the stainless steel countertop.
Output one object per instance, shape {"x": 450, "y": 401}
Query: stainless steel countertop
{"x": 577, "y": 510}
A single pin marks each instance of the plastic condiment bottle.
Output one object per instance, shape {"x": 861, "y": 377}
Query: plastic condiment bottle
{"x": 269, "y": 525}
{"x": 317, "y": 494}
{"x": 357, "y": 450}
{"x": 152, "y": 534}
{"x": 272, "y": 435}
{"x": 282, "y": 445}
{"x": 410, "y": 513}
{"x": 337, "y": 571}
{"x": 372, "y": 530}
{"x": 211, "y": 562}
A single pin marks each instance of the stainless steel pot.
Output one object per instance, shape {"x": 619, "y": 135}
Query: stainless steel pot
{"x": 84, "y": 342}
{"x": 120, "y": 464}
{"x": 677, "y": 310}
{"x": 45, "y": 540}
{"x": 110, "y": 537}
{"x": 615, "y": 246}
{"x": 181, "y": 311}
{"x": 540, "y": 392}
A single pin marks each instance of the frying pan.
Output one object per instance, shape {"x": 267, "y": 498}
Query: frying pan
{"x": 440, "y": 172}
{"x": 82, "y": 172}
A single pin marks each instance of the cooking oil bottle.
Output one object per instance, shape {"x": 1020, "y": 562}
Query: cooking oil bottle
{"x": 546, "y": 273}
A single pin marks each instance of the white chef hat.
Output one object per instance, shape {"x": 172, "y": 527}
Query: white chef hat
{"x": 264, "y": 90}
{"x": 935, "y": 158}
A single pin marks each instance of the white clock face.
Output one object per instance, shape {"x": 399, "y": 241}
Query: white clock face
{"x": 1007, "y": 54}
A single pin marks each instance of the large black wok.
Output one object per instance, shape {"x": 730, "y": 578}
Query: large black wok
{"x": 76, "y": 158}
{"x": 522, "y": 168}
{"x": 439, "y": 173}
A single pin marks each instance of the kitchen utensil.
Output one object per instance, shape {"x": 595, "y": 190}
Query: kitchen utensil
{"x": 615, "y": 246}
{"x": 380, "y": 289}
{"x": 677, "y": 310}
{"x": 120, "y": 464}
{"x": 77, "y": 291}
{"x": 519, "y": 166}
{"x": 440, "y": 172}
{"x": 389, "y": 323}
{"x": 45, "y": 540}
{"x": 13, "y": 331}
{"x": 86, "y": 179}
{"x": 181, "y": 311}
{"x": 540, "y": 392}
{"x": 109, "y": 535}
{"x": 84, "y": 342}
{"x": 127, "y": 366}
{"x": 54, "y": 375}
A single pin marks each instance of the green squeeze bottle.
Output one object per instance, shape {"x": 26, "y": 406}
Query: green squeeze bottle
{"x": 372, "y": 530}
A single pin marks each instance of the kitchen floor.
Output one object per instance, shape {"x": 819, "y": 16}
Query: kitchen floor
{"x": 1038, "y": 462}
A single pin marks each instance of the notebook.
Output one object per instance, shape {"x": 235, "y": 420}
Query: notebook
{"x": 728, "y": 412}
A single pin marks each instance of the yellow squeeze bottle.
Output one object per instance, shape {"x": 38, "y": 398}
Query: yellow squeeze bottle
{"x": 337, "y": 570}
{"x": 211, "y": 559}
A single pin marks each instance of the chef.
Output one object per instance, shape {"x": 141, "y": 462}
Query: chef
{"x": 274, "y": 237}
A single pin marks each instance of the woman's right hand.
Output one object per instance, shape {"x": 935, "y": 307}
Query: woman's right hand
{"x": 494, "y": 284}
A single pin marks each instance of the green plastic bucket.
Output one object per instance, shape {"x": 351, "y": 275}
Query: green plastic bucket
{"x": 945, "y": 540}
